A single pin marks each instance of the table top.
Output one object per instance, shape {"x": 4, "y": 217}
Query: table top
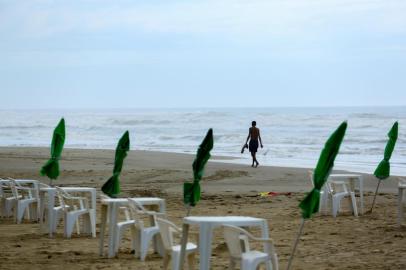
{"x": 20, "y": 181}
{"x": 221, "y": 219}
{"x": 72, "y": 189}
{"x": 147, "y": 199}
{"x": 402, "y": 185}
{"x": 347, "y": 175}
{"x": 138, "y": 199}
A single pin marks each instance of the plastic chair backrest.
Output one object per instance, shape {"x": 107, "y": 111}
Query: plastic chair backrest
{"x": 104, "y": 197}
{"x": 136, "y": 214}
{"x": 167, "y": 228}
{"x": 30, "y": 192}
{"x": 236, "y": 240}
{"x": 5, "y": 188}
{"x": 60, "y": 193}
{"x": 13, "y": 186}
{"x": 310, "y": 173}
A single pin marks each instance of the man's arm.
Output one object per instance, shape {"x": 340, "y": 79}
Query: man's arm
{"x": 260, "y": 140}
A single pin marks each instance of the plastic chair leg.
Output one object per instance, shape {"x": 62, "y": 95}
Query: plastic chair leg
{"x": 335, "y": 207}
{"x": 70, "y": 222}
{"x": 158, "y": 245}
{"x": 92, "y": 217}
{"x": 166, "y": 261}
{"x": 144, "y": 243}
{"x": 232, "y": 264}
{"x": 354, "y": 204}
{"x": 118, "y": 238}
{"x": 175, "y": 260}
{"x": 191, "y": 261}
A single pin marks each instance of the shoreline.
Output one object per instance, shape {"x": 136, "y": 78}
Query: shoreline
{"x": 222, "y": 174}
{"x": 226, "y": 159}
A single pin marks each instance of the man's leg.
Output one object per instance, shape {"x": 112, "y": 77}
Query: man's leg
{"x": 253, "y": 158}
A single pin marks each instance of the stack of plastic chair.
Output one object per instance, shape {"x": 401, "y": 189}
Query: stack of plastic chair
{"x": 172, "y": 250}
{"x": 26, "y": 201}
{"x": 336, "y": 191}
{"x": 124, "y": 225}
{"x": 72, "y": 211}
{"x": 7, "y": 199}
{"x": 141, "y": 235}
{"x": 401, "y": 199}
{"x": 238, "y": 239}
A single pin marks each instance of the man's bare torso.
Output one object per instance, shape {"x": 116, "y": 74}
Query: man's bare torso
{"x": 254, "y": 132}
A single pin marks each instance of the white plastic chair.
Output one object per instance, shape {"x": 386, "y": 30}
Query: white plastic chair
{"x": 71, "y": 212}
{"x": 237, "y": 240}
{"x": 58, "y": 211}
{"x": 121, "y": 226}
{"x": 26, "y": 200}
{"x": 172, "y": 250}
{"x": 336, "y": 191}
{"x": 141, "y": 235}
{"x": 7, "y": 199}
{"x": 401, "y": 199}
{"x": 323, "y": 195}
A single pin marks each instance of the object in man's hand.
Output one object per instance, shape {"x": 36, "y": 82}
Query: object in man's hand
{"x": 243, "y": 148}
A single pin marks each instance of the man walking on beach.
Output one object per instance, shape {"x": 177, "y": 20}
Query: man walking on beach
{"x": 254, "y": 136}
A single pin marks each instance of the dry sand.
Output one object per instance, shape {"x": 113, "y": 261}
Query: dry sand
{"x": 371, "y": 241}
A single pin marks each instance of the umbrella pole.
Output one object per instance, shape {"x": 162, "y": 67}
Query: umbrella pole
{"x": 296, "y": 242}
{"x": 376, "y": 192}
{"x": 188, "y": 208}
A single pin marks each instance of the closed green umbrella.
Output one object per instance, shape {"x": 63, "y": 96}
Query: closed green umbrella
{"x": 383, "y": 170}
{"x": 191, "y": 191}
{"x": 310, "y": 204}
{"x": 112, "y": 186}
{"x": 51, "y": 168}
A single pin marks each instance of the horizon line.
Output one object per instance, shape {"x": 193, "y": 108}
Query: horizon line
{"x": 202, "y": 107}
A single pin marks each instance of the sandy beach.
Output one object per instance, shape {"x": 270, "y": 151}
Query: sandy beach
{"x": 371, "y": 241}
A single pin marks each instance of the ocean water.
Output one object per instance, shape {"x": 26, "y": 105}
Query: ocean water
{"x": 291, "y": 136}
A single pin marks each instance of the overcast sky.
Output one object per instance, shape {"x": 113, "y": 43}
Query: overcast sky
{"x": 118, "y": 53}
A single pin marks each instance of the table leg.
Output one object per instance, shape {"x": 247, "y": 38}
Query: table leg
{"x": 265, "y": 234}
{"x": 361, "y": 193}
{"x": 51, "y": 218}
{"x": 93, "y": 194}
{"x": 112, "y": 215}
{"x": 41, "y": 210}
{"x": 400, "y": 206}
{"x": 162, "y": 207}
{"x": 205, "y": 239}
{"x": 38, "y": 201}
{"x": 184, "y": 240}
{"x": 102, "y": 228}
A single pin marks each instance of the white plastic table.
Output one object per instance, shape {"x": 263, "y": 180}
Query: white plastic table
{"x": 109, "y": 212}
{"x": 401, "y": 189}
{"x": 351, "y": 178}
{"x": 207, "y": 224}
{"x": 51, "y": 191}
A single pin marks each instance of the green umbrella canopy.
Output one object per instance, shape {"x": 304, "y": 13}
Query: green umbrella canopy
{"x": 51, "y": 168}
{"x": 383, "y": 169}
{"x": 191, "y": 191}
{"x": 112, "y": 186}
{"x": 310, "y": 204}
